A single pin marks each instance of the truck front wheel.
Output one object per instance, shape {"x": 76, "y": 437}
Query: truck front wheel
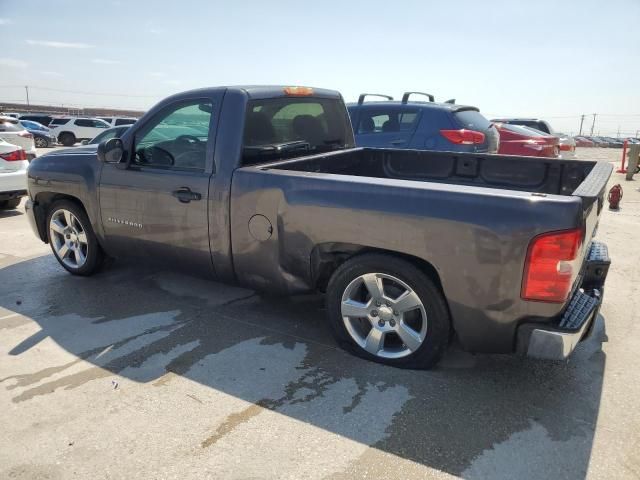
{"x": 384, "y": 309}
{"x": 72, "y": 239}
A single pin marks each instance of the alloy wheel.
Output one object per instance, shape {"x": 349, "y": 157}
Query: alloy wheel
{"x": 384, "y": 315}
{"x": 68, "y": 238}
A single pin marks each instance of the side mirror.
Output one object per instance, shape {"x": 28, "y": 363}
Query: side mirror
{"x": 84, "y": 142}
{"x": 111, "y": 151}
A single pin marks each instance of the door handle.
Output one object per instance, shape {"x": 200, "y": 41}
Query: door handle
{"x": 185, "y": 195}
{"x": 397, "y": 142}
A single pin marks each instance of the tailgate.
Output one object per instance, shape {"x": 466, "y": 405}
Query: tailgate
{"x": 592, "y": 191}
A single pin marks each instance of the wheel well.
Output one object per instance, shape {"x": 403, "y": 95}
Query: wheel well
{"x": 66, "y": 132}
{"x": 326, "y": 258}
{"x": 43, "y": 202}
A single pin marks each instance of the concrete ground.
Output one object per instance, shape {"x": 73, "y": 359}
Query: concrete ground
{"x": 154, "y": 374}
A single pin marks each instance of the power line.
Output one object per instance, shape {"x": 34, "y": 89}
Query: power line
{"x": 84, "y": 93}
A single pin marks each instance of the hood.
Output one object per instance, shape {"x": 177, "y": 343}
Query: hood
{"x": 73, "y": 151}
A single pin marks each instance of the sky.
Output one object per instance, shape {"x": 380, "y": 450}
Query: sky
{"x": 554, "y": 60}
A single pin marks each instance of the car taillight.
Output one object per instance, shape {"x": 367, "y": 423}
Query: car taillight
{"x": 25, "y": 135}
{"x": 567, "y": 148}
{"x": 14, "y": 156}
{"x": 534, "y": 145}
{"x": 463, "y": 137}
{"x": 551, "y": 266}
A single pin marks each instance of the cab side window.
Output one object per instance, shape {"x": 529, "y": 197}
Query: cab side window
{"x": 176, "y": 138}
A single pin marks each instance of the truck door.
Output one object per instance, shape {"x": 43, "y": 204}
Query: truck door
{"x": 386, "y": 127}
{"x": 157, "y": 208}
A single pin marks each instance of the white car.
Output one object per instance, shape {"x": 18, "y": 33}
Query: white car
{"x": 119, "y": 121}
{"x": 13, "y": 175}
{"x": 71, "y": 130}
{"x": 12, "y": 132}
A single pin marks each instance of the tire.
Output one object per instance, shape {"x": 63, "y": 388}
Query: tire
{"x": 67, "y": 139}
{"x": 41, "y": 142}
{"x": 10, "y": 204}
{"x": 428, "y": 323}
{"x": 68, "y": 218}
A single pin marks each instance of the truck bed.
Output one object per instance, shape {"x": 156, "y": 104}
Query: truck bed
{"x": 528, "y": 174}
{"x": 469, "y": 216}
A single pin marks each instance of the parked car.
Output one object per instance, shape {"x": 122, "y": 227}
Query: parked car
{"x": 519, "y": 140}
{"x": 42, "y": 135}
{"x": 411, "y": 247}
{"x": 12, "y": 132}
{"x": 599, "y": 142}
{"x": 41, "y": 118}
{"x": 421, "y": 125}
{"x": 584, "y": 142}
{"x": 13, "y": 174}
{"x": 70, "y": 130}
{"x": 567, "y": 143}
{"x": 115, "y": 132}
{"x": 118, "y": 121}
{"x": 614, "y": 142}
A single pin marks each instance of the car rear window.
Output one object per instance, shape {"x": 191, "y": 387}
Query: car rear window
{"x": 288, "y": 127}
{"x": 522, "y": 130}
{"x": 472, "y": 120}
{"x": 59, "y": 121}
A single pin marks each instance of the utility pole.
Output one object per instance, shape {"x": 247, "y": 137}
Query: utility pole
{"x": 593, "y": 124}
{"x": 26, "y": 87}
{"x": 581, "y": 122}
{"x": 618, "y": 137}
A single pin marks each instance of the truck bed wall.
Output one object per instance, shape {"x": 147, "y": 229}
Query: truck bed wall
{"x": 476, "y": 238}
{"x": 551, "y": 176}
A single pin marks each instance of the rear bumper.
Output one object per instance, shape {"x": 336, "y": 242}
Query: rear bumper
{"x": 13, "y": 181}
{"x": 557, "y": 340}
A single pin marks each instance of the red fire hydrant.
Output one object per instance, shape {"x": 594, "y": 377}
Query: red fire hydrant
{"x": 615, "y": 195}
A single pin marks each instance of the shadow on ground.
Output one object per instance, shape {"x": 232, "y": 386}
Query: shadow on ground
{"x": 474, "y": 416}
{"x": 10, "y": 213}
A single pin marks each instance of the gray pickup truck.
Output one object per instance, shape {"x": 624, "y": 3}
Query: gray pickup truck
{"x": 263, "y": 187}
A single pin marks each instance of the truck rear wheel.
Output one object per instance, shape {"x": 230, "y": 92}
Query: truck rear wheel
{"x": 72, "y": 239}
{"x": 384, "y": 309}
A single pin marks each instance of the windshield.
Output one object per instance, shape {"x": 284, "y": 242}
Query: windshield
{"x": 290, "y": 127}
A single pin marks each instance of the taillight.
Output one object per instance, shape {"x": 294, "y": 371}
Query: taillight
{"x": 534, "y": 145}
{"x": 551, "y": 266}
{"x": 25, "y": 135}
{"x": 14, "y": 156}
{"x": 566, "y": 147}
{"x": 463, "y": 137}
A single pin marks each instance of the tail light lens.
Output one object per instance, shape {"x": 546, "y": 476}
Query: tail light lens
{"x": 566, "y": 147}
{"x": 551, "y": 266}
{"x": 534, "y": 145}
{"x": 25, "y": 135}
{"x": 463, "y": 137}
{"x": 14, "y": 156}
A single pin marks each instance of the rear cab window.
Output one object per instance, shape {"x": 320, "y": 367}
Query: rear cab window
{"x": 290, "y": 127}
